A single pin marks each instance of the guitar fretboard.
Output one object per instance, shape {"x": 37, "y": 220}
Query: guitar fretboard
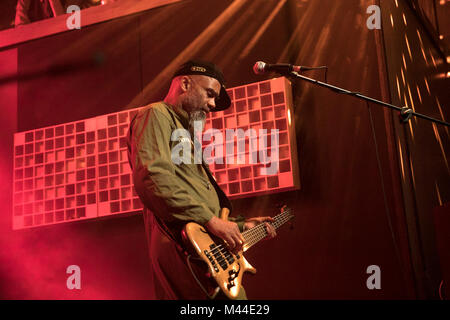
{"x": 255, "y": 234}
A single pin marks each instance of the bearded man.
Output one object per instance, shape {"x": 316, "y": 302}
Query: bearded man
{"x": 175, "y": 194}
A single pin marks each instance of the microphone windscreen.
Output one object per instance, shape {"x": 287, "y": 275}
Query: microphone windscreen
{"x": 259, "y": 67}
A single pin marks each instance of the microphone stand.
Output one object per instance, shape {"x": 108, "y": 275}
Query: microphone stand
{"x": 405, "y": 115}
{"x": 405, "y": 112}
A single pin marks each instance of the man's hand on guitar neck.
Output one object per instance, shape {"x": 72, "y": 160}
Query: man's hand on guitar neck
{"x": 253, "y": 222}
{"x": 227, "y": 231}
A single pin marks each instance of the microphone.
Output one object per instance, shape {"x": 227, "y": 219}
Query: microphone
{"x": 283, "y": 68}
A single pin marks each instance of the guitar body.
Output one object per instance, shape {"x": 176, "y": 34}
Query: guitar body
{"x": 225, "y": 267}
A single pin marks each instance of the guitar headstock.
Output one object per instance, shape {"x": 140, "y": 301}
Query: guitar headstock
{"x": 288, "y": 214}
{"x": 287, "y": 211}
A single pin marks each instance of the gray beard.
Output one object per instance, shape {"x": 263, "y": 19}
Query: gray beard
{"x": 197, "y": 121}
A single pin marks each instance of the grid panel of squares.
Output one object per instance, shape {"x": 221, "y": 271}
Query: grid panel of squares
{"x": 72, "y": 171}
{"x": 243, "y": 167}
{"x": 80, "y": 170}
{"x": 116, "y": 193}
{"x": 54, "y": 168}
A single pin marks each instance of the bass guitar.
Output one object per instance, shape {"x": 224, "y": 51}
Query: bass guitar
{"x": 227, "y": 268}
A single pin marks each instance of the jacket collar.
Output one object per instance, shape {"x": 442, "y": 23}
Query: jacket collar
{"x": 180, "y": 114}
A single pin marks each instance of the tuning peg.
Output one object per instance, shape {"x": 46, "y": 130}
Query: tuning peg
{"x": 279, "y": 205}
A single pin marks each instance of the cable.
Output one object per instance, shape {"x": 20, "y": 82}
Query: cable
{"x": 440, "y": 290}
{"x": 216, "y": 291}
{"x": 380, "y": 172}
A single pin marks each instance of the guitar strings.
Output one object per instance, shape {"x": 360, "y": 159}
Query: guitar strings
{"x": 257, "y": 235}
{"x": 259, "y": 231}
{"x": 250, "y": 235}
{"x": 253, "y": 235}
{"x": 276, "y": 218}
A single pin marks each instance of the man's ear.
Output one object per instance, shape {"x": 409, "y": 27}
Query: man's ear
{"x": 185, "y": 83}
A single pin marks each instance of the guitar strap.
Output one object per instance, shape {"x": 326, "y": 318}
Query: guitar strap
{"x": 165, "y": 230}
{"x": 223, "y": 199}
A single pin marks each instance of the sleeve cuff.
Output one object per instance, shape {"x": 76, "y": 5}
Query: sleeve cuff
{"x": 240, "y": 220}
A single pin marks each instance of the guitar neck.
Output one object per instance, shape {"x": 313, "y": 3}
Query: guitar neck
{"x": 259, "y": 232}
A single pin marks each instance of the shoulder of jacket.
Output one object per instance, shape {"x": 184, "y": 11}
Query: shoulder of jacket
{"x": 157, "y": 109}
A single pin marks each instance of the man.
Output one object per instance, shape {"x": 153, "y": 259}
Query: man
{"x": 28, "y": 11}
{"x": 175, "y": 194}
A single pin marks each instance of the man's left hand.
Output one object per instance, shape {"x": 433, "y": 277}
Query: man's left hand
{"x": 252, "y": 222}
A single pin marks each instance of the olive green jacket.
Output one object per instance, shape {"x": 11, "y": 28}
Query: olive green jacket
{"x": 175, "y": 193}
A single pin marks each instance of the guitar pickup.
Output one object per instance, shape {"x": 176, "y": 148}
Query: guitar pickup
{"x": 220, "y": 259}
{"x": 230, "y": 259}
{"x": 224, "y": 266}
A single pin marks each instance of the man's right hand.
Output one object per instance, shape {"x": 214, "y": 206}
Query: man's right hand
{"x": 227, "y": 231}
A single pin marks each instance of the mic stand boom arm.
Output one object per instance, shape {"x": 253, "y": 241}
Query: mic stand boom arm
{"x": 405, "y": 112}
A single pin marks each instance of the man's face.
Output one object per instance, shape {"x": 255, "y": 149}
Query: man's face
{"x": 201, "y": 94}
{"x": 199, "y": 99}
